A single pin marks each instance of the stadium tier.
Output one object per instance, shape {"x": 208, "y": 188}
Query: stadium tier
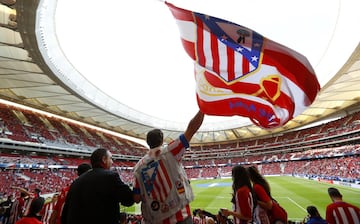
{"x": 42, "y": 150}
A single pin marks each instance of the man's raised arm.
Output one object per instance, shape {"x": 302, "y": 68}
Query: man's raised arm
{"x": 194, "y": 125}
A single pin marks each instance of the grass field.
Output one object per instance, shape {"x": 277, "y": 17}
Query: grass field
{"x": 294, "y": 194}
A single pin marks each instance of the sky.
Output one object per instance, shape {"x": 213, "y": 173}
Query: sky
{"x": 132, "y": 50}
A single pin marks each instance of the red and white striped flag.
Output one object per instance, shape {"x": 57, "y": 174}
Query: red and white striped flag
{"x": 240, "y": 72}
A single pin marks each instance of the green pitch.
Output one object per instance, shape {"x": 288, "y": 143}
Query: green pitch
{"x": 294, "y": 194}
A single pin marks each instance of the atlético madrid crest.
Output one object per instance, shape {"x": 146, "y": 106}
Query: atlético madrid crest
{"x": 234, "y": 50}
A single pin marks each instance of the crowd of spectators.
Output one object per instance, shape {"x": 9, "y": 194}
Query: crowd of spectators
{"x": 22, "y": 125}
{"x": 330, "y": 151}
{"x": 345, "y": 168}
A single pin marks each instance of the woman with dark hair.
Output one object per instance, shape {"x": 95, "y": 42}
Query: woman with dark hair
{"x": 314, "y": 216}
{"x": 262, "y": 194}
{"x": 33, "y": 217}
{"x": 267, "y": 209}
{"x": 242, "y": 199}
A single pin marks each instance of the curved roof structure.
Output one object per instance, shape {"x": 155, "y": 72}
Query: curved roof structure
{"x": 34, "y": 72}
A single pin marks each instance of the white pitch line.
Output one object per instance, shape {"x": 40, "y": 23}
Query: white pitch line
{"x": 296, "y": 204}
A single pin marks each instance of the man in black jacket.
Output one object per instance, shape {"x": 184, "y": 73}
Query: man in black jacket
{"x": 94, "y": 197}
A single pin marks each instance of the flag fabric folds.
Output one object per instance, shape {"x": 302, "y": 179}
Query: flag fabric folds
{"x": 240, "y": 72}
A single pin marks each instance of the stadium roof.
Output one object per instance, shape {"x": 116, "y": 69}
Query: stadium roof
{"x": 34, "y": 72}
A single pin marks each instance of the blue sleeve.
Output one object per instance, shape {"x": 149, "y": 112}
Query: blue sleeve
{"x": 184, "y": 141}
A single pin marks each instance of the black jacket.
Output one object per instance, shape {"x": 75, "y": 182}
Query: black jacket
{"x": 94, "y": 197}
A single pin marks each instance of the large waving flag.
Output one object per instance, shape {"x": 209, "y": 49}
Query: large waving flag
{"x": 240, "y": 72}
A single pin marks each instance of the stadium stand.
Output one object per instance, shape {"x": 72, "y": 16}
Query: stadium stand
{"x": 328, "y": 151}
{"x": 42, "y": 151}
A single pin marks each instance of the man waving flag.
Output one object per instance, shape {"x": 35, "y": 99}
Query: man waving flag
{"x": 240, "y": 72}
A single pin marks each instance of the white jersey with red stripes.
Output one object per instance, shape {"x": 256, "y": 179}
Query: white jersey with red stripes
{"x": 162, "y": 182}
